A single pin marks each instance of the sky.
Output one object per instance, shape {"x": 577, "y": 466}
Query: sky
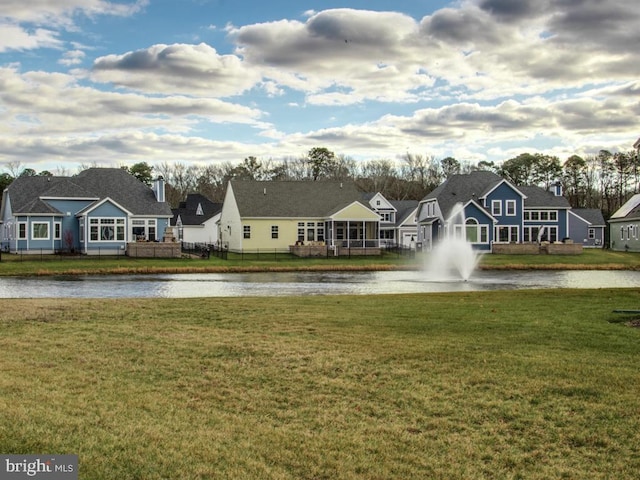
{"x": 113, "y": 83}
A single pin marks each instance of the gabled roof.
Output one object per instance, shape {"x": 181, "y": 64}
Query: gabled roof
{"x": 631, "y": 209}
{"x": 537, "y": 197}
{"x": 463, "y": 188}
{"x": 293, "y": 199}
{"x": 188, "y": 211}
{"x": 593, "y": 216}
{"x": 94, "y": 184}
{"x": 404, "y": 208}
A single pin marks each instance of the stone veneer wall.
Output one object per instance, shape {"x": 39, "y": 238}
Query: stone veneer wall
{"x": 535, "y": 249}
{"x": 154, "y": 249}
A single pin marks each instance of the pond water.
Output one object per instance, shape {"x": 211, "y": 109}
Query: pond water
{"x": 301, "y": 283}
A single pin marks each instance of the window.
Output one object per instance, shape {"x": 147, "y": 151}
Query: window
{"x": 511, "y": 208}
{"x": 57, "y": 232}
{"x": 507, "y": 234}
{"x": 106, "y": 229}
{"x": 22, "y": 231}
{"x": 246, "y": 231}
{"x": 300, "y": 231}
{"x": 274, "y": 231}
{"x": 541, "y": 215}
{"x": 591, "y": 233}
{"x": 476, "y": 233}
{"x": 621, "y": 233}
{"x": 472, "y": 230}
{"x": 142, "y": 229}
{"x": 496, "y": 207}
{"x": 40, "y": 231}
{"x": 320, "y": 232}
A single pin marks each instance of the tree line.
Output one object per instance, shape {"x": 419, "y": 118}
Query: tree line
{"x": 603, "y": 181}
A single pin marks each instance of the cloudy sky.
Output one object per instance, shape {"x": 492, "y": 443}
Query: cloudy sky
{"x": 199, "y": 81}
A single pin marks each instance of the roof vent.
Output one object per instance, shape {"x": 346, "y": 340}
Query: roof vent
{"x": 264, "y": 192}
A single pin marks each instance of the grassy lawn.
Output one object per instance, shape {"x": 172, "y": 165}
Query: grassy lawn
{"x": 12, "y": 264}
{"x": 484, "y": 385}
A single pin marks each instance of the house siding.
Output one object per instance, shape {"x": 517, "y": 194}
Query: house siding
{"x": 261, "y": 233}
{"x": 472, "y": 211}
{"x": 625, "y": 235}
{"x": 504, "y": 193}
{"x": 69, "y": 208}
{"x": 48, "y": 245}
{"x": 230, "y": 222}
{"x": 356, "y": 211}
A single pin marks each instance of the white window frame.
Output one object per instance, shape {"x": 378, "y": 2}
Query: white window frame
{"x": 511, "y": 208}
{"x": 147, "y": 224}
{"x": 101, "y": 223}
{"x": 57, "y": 231}
{"x": 496, "y": 208}
{"x": 275, "y": 232}
{"x": 510, "y": 229}
{"x": 246, "y": 232}
{"x": 482, "y": 231}
{"x": 33, "y": 230}
{"x": 22, "y": 235}
{"x": 591, "y": 233}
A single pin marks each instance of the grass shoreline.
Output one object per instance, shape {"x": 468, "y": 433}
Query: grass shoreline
{"x": 20, "y": 266}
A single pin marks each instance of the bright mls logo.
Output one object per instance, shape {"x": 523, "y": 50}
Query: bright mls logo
{"x": 49, "y": 467}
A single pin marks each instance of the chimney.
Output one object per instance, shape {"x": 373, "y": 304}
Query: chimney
{"x": 158, "y": 188}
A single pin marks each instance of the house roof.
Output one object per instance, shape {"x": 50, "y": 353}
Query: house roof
{"x": 188, "y": 210}
{"x": 463, "y": 188}
{"x": 593, "y": 216}
{"x": 293, "y": 199}
{"x": 539, "y": 197}
{"x": 27, "y": 193}
{"x": 631, "y": 209}
{"x": 404, "y": 208}
{"x": 474, "y": 186}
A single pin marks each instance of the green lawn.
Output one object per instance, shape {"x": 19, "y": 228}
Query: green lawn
{"x": 484, "y": 385}
{"x": 12, "y": 264}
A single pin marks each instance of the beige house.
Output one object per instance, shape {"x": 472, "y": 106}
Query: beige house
{"x": 304, "y": 217}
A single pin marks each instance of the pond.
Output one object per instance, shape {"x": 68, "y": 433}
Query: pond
{"x": 301, "y": 283}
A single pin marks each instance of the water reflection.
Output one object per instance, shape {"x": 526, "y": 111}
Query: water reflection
{"x": 300, "y": 283}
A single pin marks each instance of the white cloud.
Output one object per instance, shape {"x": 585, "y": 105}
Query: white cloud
{"x": 72, "y": 57}
{"x": 179, "y": 68}
{"x": 15, "y": 37}
{"x": 39, "y": 103}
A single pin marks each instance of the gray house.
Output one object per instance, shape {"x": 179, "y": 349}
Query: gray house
{"x": 98, "y": 211}
{"x": 587, "y": 226}
{"x": 624, "y": 226}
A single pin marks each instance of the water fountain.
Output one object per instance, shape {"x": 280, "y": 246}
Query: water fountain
{"x": 452, "y": 258}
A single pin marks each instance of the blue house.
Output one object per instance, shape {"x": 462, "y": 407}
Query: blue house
{"x": 587, "y": 226}
{"x": 98, "y": 211}
{"x": 486, "y": 209}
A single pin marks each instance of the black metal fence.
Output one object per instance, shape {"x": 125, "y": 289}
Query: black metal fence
{"x": 201, "y": 250}
{"x": 44, "y": 255}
